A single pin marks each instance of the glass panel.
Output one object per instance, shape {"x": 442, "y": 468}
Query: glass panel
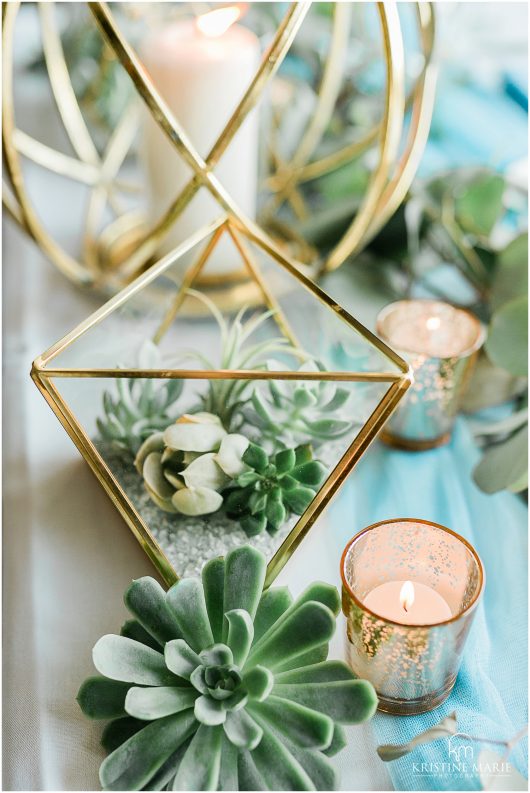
{"x": 277, "y": 486}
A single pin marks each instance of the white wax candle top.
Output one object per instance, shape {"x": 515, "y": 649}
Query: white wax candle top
{"x": 429, "y": 327}
{"x": 408, "y": 602}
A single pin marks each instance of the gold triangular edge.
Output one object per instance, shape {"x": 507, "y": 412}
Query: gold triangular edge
{"x": 220, "y": 374}
{"x": 158, "y": 268}
{"x": 153, "y": 272}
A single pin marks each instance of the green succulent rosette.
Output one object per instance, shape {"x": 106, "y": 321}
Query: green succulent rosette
{"x": 218, "y": 685}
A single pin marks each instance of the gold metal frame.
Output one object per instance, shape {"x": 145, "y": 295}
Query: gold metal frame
{"x": 44, "y": 373}
{"x": 122, "y": 250}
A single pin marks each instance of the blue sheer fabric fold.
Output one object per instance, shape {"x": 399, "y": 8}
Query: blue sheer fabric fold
{"x": 490, "y": 695}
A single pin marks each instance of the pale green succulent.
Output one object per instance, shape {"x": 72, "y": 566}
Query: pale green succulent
{"x": 140, "y": 406}
{"x": 293, "y": 413}
{"x": 218, "y": 685}
{"x": 186, "y": 467}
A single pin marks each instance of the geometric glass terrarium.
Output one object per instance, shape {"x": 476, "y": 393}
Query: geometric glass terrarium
{"x": 211, "y": 427}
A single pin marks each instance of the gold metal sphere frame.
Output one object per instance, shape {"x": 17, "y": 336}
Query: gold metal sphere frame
{"x": 96, "y": 268}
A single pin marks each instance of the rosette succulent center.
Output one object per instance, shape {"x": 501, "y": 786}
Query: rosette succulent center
{"x": 219, "y": 679}
{"x": 273, "y": 487}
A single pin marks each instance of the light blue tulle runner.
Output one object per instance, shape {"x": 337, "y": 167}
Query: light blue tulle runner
{"x": 490, "y": 695}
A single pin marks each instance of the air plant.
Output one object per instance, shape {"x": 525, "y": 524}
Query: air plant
{"x": 140, "y": 407}
{"x": 226, "y": 398}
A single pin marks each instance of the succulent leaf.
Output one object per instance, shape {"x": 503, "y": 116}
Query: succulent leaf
{"x": 285, "y": 773}
{"x": 294, "y": 413}
{"x": 180, "y": 658}
{"x": 305, "y": 727}
{"x": 274, "y": 602}
{"x": 243, "y": 699}
{"x": 186, "y": 601}
{"x": 258, "y": 683}
{"x": 133, "y": 763}
{"x": 242, "y": 730}
{"x": 200, "y": 432}
{"x": 140, "y": 407}
{"x": 101, "y": 698}
{"x": 245, "y": 570}
{"x": 228, "y": 774}
{"x": 345, "y": 701}
{"x": 155, "y": 703}
{"x": 213, "y": 576}
{"x": 200, "y": 767}
{"x": 240, "y": 634}
{"x": 325, "y": 672}
{"x": 338, "y": 741}
{"x": 197, "y": 500}
{"x": 305, "y": 628}
{"x": 146, "y": 600}
{"x": 133, "y": 630}
{"x": 131, "y": 662}
{"x": 118, "y": 731}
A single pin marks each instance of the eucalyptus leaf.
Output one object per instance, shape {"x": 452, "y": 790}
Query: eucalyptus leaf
{"x": 511, "y": 277}
{"x": 478, "y": 204}
{"x": 505, "y": 464}
{"x": 507, "y": 342}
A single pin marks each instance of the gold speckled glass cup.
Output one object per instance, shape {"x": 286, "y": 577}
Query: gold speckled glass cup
{"x": 412, "y": 667}
{"x": 441, "y": 344}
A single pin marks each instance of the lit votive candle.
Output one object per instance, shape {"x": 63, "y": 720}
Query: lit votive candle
{"x": 202, "y": 68}
{"x": 409, "y": 593}
{"x": 441, "y": 343}
{"x": 409, "y": 603}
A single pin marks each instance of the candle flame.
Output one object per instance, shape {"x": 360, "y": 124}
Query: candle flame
{"x": 433, "y": 323}
{"x": 214, "y": 23}
{"x": 406, "y": 596}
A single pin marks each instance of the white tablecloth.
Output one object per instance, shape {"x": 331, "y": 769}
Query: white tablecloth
{"x": 68, "y": 557}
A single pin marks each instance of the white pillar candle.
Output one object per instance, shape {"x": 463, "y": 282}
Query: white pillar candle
{"x": 202, "y": 68}
{"x": 409, "y": 603}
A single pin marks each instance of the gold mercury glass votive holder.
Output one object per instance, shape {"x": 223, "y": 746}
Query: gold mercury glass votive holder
{"x": 441, "y": 344}
{"x": 412, "y": 667}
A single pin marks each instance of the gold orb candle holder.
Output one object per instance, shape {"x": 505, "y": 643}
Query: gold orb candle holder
{"x": 441, "y": 344}
{"x": 413, "y": 666}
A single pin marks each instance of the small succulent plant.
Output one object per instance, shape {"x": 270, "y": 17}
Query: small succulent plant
{"x": 273, "y": 487}
{"x": 218, "y": 685}
{"x": 226, "y": 398}
{"x": 287, "y": 413}
{"x": 186, "y": 467}
{"x": 140, "y": 407}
